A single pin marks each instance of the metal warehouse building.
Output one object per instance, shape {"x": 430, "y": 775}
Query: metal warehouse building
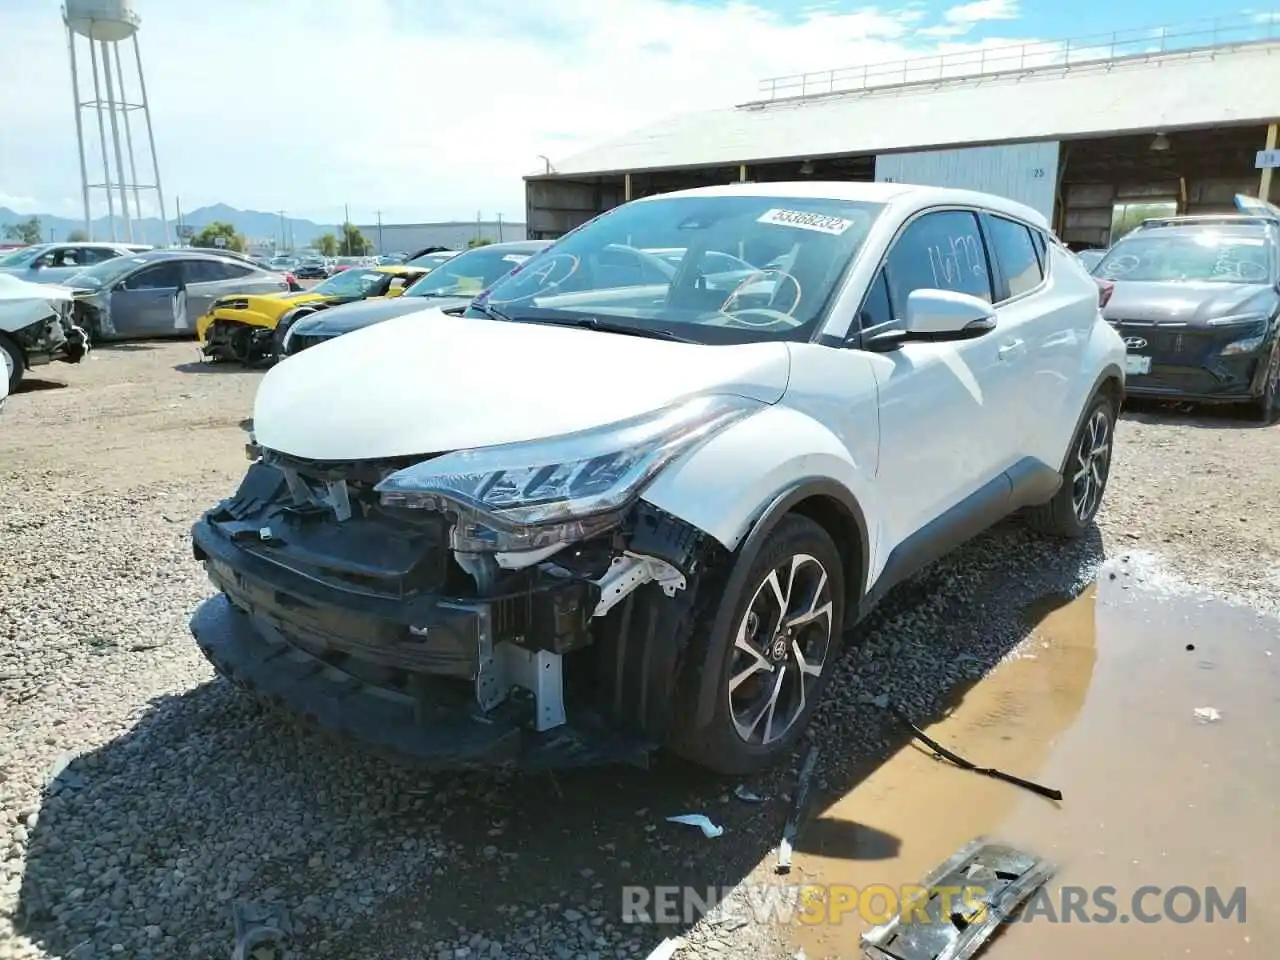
{"x": 453, "y": 234}
{"x": 1091, "y": 132}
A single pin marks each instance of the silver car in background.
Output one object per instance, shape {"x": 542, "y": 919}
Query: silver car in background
{"x": 161, "y": 293}
{"x": 56, "y": 262}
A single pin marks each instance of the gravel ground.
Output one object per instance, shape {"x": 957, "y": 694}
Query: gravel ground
{"x": 141, "y": 799}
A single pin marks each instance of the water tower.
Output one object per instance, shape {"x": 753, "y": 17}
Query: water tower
{"x": 105, "y": 26}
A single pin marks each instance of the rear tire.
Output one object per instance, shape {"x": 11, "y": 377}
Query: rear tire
{"x": 1084, "y": 479}
{"x": 12, "y": 364}
{"x": 768, "y": 673}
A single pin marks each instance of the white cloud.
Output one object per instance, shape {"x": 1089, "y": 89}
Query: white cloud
{"x": 420, "y": 110}
{"x": 960, "y": 20}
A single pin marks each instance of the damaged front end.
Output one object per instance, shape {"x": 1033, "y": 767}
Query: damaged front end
{"x": 458, "y": 608}
{"x": 55, "y": 336}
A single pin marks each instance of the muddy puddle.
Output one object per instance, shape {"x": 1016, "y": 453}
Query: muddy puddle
{"x": 1101, "y": 705}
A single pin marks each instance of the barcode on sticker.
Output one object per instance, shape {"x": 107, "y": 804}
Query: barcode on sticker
{"x": 805, "y": 220}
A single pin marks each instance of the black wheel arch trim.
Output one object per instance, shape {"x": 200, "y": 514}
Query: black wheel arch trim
{"x": 780, "y": 506}
{"x": 1110, "y": 372}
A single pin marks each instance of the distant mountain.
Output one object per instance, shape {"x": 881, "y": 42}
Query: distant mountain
{"x": 253, "y": 224}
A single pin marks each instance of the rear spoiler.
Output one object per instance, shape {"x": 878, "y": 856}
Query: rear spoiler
{"x": 1255, "y": 207}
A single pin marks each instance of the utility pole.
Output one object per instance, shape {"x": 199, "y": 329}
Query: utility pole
{"x": 346, "y": 231}
{"x": 499, "y": 227}
{"x": 479, "y": 228}
{"x": 177, "y": 201}
{"x": 380, "y": 250}
{"x": 283, "y": 235}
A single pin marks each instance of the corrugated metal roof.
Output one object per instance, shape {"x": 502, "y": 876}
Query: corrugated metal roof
{"x": 1157, "y": 92}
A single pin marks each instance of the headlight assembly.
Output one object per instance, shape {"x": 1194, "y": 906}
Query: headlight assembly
{"x": 528, "y": 495}
{"x": 1254, "y": 328}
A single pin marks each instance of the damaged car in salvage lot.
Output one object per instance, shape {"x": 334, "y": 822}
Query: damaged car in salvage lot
{"x": 36, "y": 327}
{"x": 248, "y": 329}
{"x": 1197, "y": 301}
{"x": 450, "y": 288}
{"x": 159, "y": 293}
{"x": 590, "y": 518}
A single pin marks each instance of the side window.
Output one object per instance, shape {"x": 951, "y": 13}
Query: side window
{"x": 231, "y": 271}
{"x": 1015, "y": 249}
{"x": 203, "y": 271}
{"x": 876, "y": 308}
{"x": 1042, "y": 248}
{"x": 938, "y": 251}
{"x": 66, "y": 257}
{"x": 162, "y": 276}
{"x": 95, "y": 255}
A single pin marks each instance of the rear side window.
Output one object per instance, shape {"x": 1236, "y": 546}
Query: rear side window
{"x": 1015, "y": 249}
{"x": 939, "y": 251}
{"x": 161, "y": 276}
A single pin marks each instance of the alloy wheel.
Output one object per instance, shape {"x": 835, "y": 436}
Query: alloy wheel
{"x": 1092, "y": 462}
{"x": 780, "y": 650}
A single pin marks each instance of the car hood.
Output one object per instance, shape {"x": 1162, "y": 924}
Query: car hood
{"x": 23, "y": 303}
{"x": 352, "y": 316}
{"x": 269, "y": 302}
{"x": 1187, "y": 303}
{"x": 429, "y": 383}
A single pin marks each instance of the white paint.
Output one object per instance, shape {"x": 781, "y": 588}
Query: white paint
{"x": 909, "y": 434}
{"x": 1025, "y": 172}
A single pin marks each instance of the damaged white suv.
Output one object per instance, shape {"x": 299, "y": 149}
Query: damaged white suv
{"x": 628, "y": 502}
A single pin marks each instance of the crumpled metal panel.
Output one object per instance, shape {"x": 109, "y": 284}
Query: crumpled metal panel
{"x": 1006, "y": 877}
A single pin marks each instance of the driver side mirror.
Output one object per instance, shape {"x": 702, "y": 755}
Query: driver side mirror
{"x": 935, "y": 316}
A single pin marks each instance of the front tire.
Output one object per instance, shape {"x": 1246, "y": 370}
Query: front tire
{"x": 1269, "y": 403}
{"x": 1084, "y": 479}
{"x": 768, "y": 674}
{"x": 12, "y": 364}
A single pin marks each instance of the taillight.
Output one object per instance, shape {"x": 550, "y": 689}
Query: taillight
{"x": 1105, "y": 289}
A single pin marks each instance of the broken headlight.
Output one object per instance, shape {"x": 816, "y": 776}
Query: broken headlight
{"x": 533, "y": 494}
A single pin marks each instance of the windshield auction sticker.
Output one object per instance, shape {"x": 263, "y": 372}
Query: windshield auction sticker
{"x": 805, "y": 220}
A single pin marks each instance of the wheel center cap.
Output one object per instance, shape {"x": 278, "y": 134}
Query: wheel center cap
{"x": 778, "y": 651}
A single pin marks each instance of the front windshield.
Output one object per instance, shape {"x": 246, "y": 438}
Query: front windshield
{"x": 467, "y": 274}
{"x": 728, "y": 269}
{"x": 107, "y": 272}
{"x": 1206, "y": 256}
{"x": 20, "y": 258}
{"x": 351, "y": 283}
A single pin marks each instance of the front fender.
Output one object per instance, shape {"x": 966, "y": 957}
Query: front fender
{"x": 723, "y": 486}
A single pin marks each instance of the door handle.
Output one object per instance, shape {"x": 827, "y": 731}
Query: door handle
{"x": 1009, "y": 349}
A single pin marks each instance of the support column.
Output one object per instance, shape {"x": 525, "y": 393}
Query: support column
{"x": 626, "y": 188}
{"x": 1264, "y": 183}
{"x": 102, "y": 136}
{"x": 84, "y": 167}
{"x": 742, "y": 173}
{"x": 115, "y": 140}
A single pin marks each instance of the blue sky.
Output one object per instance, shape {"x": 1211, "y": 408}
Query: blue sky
{"x": 433, "y": 109}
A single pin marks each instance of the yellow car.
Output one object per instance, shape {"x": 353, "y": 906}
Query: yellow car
{"x": 251, "y": 328}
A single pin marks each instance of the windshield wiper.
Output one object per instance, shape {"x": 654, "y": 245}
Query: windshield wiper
{"x": 606, "y": 326}
{"x": 492, "y": 312}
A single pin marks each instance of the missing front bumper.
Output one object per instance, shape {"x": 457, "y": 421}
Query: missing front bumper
{"x": 420, "y": 723}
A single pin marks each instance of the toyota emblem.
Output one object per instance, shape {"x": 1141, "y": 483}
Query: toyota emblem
{"x": 1134, "y": 343}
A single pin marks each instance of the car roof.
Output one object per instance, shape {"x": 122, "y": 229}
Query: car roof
{"x": 154, "y": 255}
{"x": 1238, "y": 225}
{"x": 902, "y": 195}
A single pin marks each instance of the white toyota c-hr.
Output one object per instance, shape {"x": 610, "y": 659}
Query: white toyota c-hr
{"x": 626, "y": 502}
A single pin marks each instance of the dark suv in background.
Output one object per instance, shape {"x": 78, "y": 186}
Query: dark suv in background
{"x": 1197, "y": 301}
